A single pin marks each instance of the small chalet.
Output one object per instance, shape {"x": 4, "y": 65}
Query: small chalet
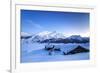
{"x": 78, "y": 49}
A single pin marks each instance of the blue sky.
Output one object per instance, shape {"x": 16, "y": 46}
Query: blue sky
{"x": 69, "y": 23}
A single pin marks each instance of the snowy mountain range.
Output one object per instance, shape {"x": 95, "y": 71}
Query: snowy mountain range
{"x": 43, "y": 35}
{"x": 53, "y": 37}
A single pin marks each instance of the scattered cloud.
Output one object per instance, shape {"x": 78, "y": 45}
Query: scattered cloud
{"x": 34, "y": 25}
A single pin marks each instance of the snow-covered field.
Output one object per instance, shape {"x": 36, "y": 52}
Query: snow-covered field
{"x": 34, "y": 52}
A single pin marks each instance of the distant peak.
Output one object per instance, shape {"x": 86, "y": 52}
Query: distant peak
{"x": 44, "y": 33}
{"x": 25, "y": 34}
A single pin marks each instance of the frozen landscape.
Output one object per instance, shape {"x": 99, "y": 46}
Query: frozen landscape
{"x": 48, "y": 36}
{"x": 35, "y": 50}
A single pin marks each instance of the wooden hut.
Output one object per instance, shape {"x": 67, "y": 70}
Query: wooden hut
{"x": 78, "y": 49}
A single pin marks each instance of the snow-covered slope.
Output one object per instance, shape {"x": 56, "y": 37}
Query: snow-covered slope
{"x": 35, "y": 53}
{"x": 49, "y": 35}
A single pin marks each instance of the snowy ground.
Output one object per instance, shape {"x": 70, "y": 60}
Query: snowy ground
{"x": 34, "y": 52}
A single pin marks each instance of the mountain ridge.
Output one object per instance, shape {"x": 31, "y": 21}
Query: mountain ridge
{"x": 54, "y": 37}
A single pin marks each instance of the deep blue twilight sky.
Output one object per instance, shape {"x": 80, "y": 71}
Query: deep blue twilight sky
{"x": 69, "y": 23}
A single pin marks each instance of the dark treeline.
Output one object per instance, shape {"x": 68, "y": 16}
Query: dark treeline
{"x": 84, "y": 40}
